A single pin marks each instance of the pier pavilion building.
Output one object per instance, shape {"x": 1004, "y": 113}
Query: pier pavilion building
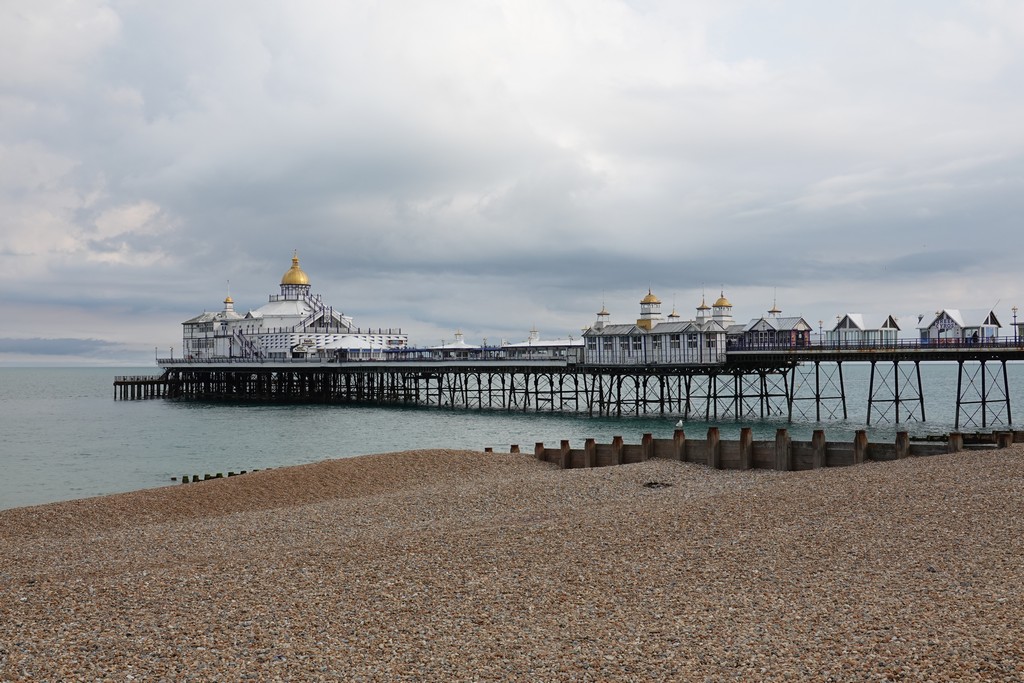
{"x": 772, "y": 330}
{"x": 851, "y": 330}
{"x": 292, "y": 324}
{"x": 653, "y": 339}
{"x": 536, "y": 348}
{"x": 950, "y": 325}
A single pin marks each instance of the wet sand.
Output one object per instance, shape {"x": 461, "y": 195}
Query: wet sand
{"x": 456, "y": 565}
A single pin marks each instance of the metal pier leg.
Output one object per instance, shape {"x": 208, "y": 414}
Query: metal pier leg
{"x": 984, "y": 397}
{"x": 920, "y": 387}
{"x": 871, "y": 390}
{"x": 790, "y": 393}
{"x": 1006, "y": 392}
{"x": 817, "y": 391}
{"x": 959, "y": 394}
{"x": 842, "y": 389}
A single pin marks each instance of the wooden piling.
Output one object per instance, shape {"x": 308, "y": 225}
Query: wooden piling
{"x": 679, "y": 442}
{"x": 590, "y": 453}
{"x": 746, "y": 448}
{"x": 647, "y": 446}
{"x": 860, "y": 446}
{"x": 783, "y": 453}
{"x": 714, "y": 448}
{"x": 902, "y": 445}
{"x": 955, "y": 443}
{"x": 818, "y": 446}
{"x": 564, "y": 457}
{"x": 617, "y": 449}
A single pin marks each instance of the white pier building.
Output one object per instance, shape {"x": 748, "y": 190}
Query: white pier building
{"x": 292, "y": 324}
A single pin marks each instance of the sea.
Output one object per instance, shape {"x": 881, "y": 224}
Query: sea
{"x": 63, "y": 436}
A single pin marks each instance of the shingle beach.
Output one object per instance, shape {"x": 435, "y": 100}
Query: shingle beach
{"x": 461, "y": 566}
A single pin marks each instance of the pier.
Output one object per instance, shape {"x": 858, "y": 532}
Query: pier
{"x": 750, "y": 382}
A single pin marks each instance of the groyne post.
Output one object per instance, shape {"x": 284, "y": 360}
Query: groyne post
{"x": 538, "y": 450}
{"x": 617, "y": 449}
{"x": 564, "y": 457}
{"x": 514, "y": 448}
{"x": 647, "y": 447}
{"x": 679, "y": 444}
{"x": 590, "y": 453}
{"x": 746, "y": 448}
{"x": 902, "y": 445}
{"x": 860, "y": 446}
{"x": 818, "y": 446}
{"x": 1004, "y": 439}
{"x": 783, "y": 455}
{"x": 714, "y": 448}
{"x": 955, "y": 443}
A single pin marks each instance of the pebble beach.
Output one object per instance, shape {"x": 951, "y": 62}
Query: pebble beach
{"x": 448, "y": 565}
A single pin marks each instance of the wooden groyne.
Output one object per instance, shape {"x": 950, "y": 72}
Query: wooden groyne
{"x": 782, "y": 453}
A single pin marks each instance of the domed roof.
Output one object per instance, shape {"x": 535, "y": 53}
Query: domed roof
{"x": 295, "y": 275}
{"x": 722, "y": 301}
{"x": 650, "y": 299}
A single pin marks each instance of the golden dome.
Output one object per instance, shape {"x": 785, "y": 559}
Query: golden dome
{"x": 650, "y": 299}
{"x": 722, "y": 301}
{"x": 295, "y": 275}
{"x": 229, "y": 300}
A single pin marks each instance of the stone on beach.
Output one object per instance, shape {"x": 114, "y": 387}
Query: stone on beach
{"x": 455, "y": 565}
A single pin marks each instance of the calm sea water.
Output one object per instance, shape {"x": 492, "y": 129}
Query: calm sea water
{"x": 62, "y": 436}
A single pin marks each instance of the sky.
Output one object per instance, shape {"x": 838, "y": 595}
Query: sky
{"x": 496, "y": 165}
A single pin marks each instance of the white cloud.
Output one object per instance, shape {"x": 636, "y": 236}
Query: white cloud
{"x": 485, "y": 159}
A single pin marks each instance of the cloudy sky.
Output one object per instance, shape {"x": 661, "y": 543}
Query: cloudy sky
{"x": 493, "y": 165}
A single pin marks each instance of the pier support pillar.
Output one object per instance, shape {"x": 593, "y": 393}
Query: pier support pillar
{"x": 783, "y": 455}
{"x": 714, "y": 448}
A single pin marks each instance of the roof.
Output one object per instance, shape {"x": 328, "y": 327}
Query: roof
{"x": 295, "y": 275}
{"x": 650, "y": 299}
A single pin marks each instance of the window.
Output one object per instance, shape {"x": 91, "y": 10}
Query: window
{"x": 638, "y": 344}
{"x": 624, "y": 344}
{"x": 673, "y": 341}
{"x": 691, "y": 341}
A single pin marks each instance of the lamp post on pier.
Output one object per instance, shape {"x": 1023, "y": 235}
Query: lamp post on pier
{"x": 821, "y": 339}
{"x": 1016, "y": 332}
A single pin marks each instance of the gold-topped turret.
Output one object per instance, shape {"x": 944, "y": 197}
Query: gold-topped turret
{"x": 295, "y": 275}
{"x": 650, "y": 298}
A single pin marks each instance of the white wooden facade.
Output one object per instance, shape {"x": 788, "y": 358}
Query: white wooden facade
{"x": 653, "y": 340}
{"x": 850, "y": 330}
{"x": 292, "y": 324}
{"x": 950, "y": 324}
